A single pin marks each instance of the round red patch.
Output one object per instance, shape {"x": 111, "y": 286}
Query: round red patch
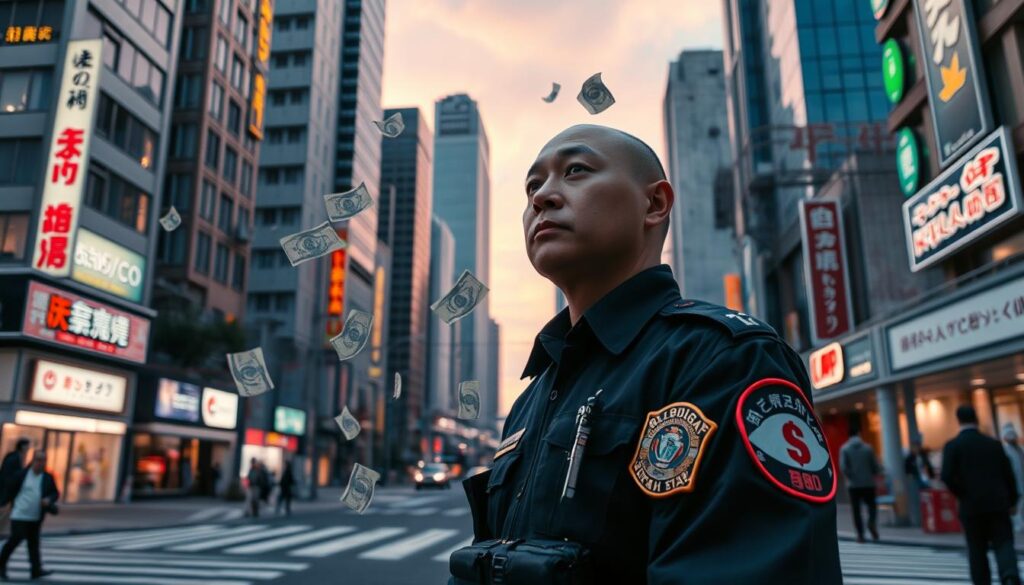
{"x": 784, "y": 438}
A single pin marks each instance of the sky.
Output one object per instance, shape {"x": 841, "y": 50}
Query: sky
{"x": 505, "y": 54}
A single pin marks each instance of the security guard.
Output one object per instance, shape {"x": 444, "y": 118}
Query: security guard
{"x": 674, "y": 438}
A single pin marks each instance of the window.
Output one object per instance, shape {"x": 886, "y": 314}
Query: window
{"x": 170, "y": 247}
{"x": 130, "y": 64}
{"x": 225, "y": 12}
{"x": 212, "y": 150}
{"x": 234, "y": 117}
{"x": 216, "y": 100}
{"x": 220, "y": 265}
{"x": 290, "y": 215}
{"x": 187, "y": 91}
{"x": 299, "y": 58}
{"x": 13, "y": 235}
{"x": 282, "y": 23}
{"x": 284, "y": 301}
{"x": 280, "y": 60}
{"x": 178, "y": 191}
{"x": 193, "y": 43}
{"x": 260, "y": 302}
{"x": 31, "y": 21}
{"x": 20, "y": 162}
{"x": 227, "y": 208}
{"x": 245, "y": 185}
{"x": 266, "y": 216}
{"x": 296, "y": 134}
{"x": 222, "y": 55}
{"x": 125, "y": 131}
{"x": 298, "y": 96}
{"x": 152, "y": 15}
{"x": 277, "y": 97}
{"x": 230, "y": 164}
{"x": 23, "y": 90}
{"x": 114, "y": 197}
{"x": 293, "y": 175}
{"x": 209, "y": 194}
{"x": 242, "y": 31}
{"x": 236, "y": 72}
{"x": 183, "y": 141}
{"x": 197, "y": 6}
{"x": 270, "y": 176}
{"x": 238, "y": 274}
{"x": 201, "y": 261}
{"x": 266, "y": 258}
{"x": 301, "y": 22}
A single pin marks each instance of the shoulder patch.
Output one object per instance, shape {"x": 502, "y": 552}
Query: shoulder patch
{"x": 783, "y": 436}
{"x": 671, "y": 444}
{"x": 739, "y": 324}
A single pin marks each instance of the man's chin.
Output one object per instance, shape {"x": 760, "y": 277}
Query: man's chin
{"x": 554, "y": 262}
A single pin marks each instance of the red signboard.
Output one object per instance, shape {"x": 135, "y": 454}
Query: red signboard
{"x": 56, "y": 315}
{"x": 826, "y": 366}
{"x": 828, "y": 292}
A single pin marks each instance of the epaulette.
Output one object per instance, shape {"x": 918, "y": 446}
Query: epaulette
{"x": 739, "y": 324}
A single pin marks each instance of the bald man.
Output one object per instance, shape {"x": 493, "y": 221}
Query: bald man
{"x": 665, "y": 441}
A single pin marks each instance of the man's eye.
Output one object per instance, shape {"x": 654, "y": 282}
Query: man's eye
{"x": 532, "y": 186}
{"x": 574, "y": 168}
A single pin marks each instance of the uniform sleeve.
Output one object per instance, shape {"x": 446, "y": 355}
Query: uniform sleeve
{"x": 759, "y": 506}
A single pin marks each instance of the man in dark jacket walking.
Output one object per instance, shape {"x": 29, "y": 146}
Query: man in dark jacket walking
{"x": 13, "y": 464}
{"x": 975, "y": 468}
{"x": 859, "y": 465}
{"x": 35, "y": 495}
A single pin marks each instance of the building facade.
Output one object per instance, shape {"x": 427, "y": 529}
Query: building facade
{"x": 442, "y": 349}
{"x": 699, "y": 166}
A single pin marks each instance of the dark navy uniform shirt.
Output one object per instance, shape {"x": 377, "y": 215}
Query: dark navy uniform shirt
{"x": 705, "y": 465}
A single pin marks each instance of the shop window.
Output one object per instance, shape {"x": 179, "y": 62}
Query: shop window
{"x": 13, "y": 235}
{"x": 92, "y": 476}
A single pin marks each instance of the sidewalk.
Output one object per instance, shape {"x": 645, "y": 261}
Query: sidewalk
{"x": 79, "y": 518}
{"x": 909, "y": 535}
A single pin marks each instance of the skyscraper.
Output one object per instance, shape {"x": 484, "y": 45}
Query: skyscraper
{"x": 442, "y": 357}
{"x": 406, "y": 178}
{"x": 462, "y": 198}
{"x": 699, "y": 166}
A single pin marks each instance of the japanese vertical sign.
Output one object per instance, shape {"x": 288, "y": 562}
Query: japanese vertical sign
{"x": 972, "y": 197}
{"x": 257, "y": 103}
{"x": 828, "y": 285}
{"x": 956, "y": 87}
{"x": 68, "y": 159}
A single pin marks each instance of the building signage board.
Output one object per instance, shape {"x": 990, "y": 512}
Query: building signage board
{"x": 824, "y": 249}
{"x": 177, "y": 400}
{"x": 220, "y": 408}
{"x": 992, "y": 316}
{"x": 107, "y": 266}
{"x": 66, "y": 385}
{"x": 826, "y": 366}
{"x": 893, "y": 71}
{"x": 859, "y": 359}
{"x": 258, "y": 101}
{"x": 68, "y": 158}
{"x": 289, "y": 420}
{"x": 970, "y": 198}
{"x": 62, "y": 317}
{"x": 955, "y": 80}
{"x": 908, "y": 161}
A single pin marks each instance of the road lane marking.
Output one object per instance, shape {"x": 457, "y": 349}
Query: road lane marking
{"x": 140, "y": 572}
{"x": 112, "y": 580}
{"x": 163, "y": 559}
{"x": 346, "y": 542}
{"x": 456, "y": 512}
{"x": 180, "y": 535}
{"x": 119, "y": 535}
{"x": 219, "y": 542}
{"x": 423, "y": 512}
{"x": 419, "y": 501}
{"x": 408, "y": 546}
{"x": 278, "y": 543}
{"x": 157, "y": 542}
{"x": 448, "y": 553}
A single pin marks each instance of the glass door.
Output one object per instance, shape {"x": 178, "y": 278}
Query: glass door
{"x": 58, "y": 451}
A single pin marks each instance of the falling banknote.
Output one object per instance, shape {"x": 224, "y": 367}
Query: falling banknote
{"x": 341, "y": 206}
{"x": 469, "y": 400}
{"x": 460, "y": 301}
{"x": 312, "y": 243}
{"x": 595, "y": 96}
{"x": 353, "y": 337}
{"x": 249, "y": 370}
{"x": 555, "y": 88}
{"x": 348, "y": 423}
{"x": 359, "y": 492}
{"x": 171, "y": 220}
{"x": 398, "y": 386}
{"x": 391, "y": 127}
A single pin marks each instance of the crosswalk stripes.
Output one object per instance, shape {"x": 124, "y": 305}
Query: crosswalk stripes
{"x": 279, "y": 543}
{"x": 409, "y": 546}
{"x": 888, "y": 564}
{"x": 346, "y": 542}
{"x": 219, "y": 541}
{"x": 217, "y": 514}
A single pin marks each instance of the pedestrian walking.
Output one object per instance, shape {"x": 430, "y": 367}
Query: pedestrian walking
{"x": 36, "y": 496}
{"x": 13, "y": 464}
{"x": 1016, "y": 456}
{"x": 255, "y": 480}
{"x": 918, "y": 466}
{"x": 860, "y": 467}
{"x": 284, "y": 490}
{"x": 978, "y": 472}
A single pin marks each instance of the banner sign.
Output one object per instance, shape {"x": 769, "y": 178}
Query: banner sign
{"x": 68, "y": 159}
{"x": 56, "y": 315}
{"x": 955, "y": 80}
{"x": 220, "y": 408}
{"x": 177, "y": 400}
{"x": 109, "y": 267}
{"x": 828, "y": 284}
{"x": 258, "y": 101}
{"x": 970, "y": 198}
{"x": 986, "y": 318}
{"x": 289, "y": 420}
{"x": 826, "y": 366}
{"x": 66, "y": 385}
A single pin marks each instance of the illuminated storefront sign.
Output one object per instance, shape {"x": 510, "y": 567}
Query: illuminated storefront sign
{"x": 62, "y": 317}
{"x": 824, "y": 249}
{"x": 336, "y": 291}
{"x": 177, "y": 400}
{"x": 68, "y": 159}
{"x": 107, "y": 266}
{"x": 826, "y": 366}
{"x": 972, "y": 197}
{"x": 257, "y": 104}
{"x": 289, "y": 420}
{"x": 377, "y": 337}
{"x": 893, "y": 72}
{"x": 66, "y": 385}
{"x": 220, "y": 408}
{"x": 908, "y": 161}
{"x": 20, "y": 35}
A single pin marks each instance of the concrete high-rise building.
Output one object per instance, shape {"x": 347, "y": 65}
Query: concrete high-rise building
{"x": 442, "y": 354}
{"x": 85, "y": 111}
{"x": 699, "y": 166}
{"x": 406, "y": 178}
{"x": 462, "y": 198}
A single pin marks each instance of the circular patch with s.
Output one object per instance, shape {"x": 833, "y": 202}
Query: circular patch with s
{"x": 670, "y": 448}
{"x": 784, "y": 437}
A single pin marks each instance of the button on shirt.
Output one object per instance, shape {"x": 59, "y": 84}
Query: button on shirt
{"x": 705, "y": 463}
{"x": 27, "y": 504}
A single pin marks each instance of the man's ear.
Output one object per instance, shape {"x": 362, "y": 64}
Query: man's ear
{"x": 660, "y": 198}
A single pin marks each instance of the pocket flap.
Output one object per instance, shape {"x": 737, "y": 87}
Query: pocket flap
{"x": 501, "y": 468}
{"x": 607, "y": 432}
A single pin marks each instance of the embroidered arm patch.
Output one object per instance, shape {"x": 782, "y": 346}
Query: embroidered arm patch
{"x": 784, "y": 438}
{"x": 671, "y": 444}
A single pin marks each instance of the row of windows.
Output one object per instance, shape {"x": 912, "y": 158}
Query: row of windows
{"x": 125, "y": 131}
{"x": 269, "y": 258}
{"x": 21, "y": 21}
{"x": 270, "y": 216}
{"x": 287, "y": 174}
{"x": 289, "y": 134}
{"x": 171, "y": 250}
{"x": 271, "y": 302}
{"x": 125, "y": 59}
{"x": 184, "y": 145}
{"x": 193, "y": 43}
{"x": 13, "y": 236}
{"x": 279, "y": 97}
{"x": 153, "y": 16}
{"x": 19, "y": 161}
{"x": 24, "y": 90}
{"x": 286, "y": 22}
{"x": 281, "y": 59}
{"x": 116, "y": 198}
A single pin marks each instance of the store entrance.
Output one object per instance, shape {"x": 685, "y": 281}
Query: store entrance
{"x": 58, "y": 448}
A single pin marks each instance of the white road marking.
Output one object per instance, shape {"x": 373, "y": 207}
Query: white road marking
{"x": 73, "y": 540}
{"x": 219, "y": 542}
{"x": 159, "y": 541}
{"x": 206, "y": 573}
{"x": 454, "y": 512}
{"x": 423, "y": 512}
{"x": 278, "y": 543}
{"x": 408, "y": 546}
{"x": 346, "y": 542}
{"x": 448, "y": 553}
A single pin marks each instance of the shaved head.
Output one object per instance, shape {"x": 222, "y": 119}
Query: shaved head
{"x": 640, "y": 157}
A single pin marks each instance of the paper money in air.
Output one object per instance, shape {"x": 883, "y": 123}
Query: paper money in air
{"x": 469, "y": 400}
{"x": 348, "y": 423}
{"x": 342, "y": 206}
{"x": 353, "y": 336}
{"x": 391, "y": 127}
{"x": 595, "y": 95}
{"x": 555, "y": 88}
{"x": 312, "y": 243}
{"x": 249, "y": 370}
{"x": 171, "y": 220}
{"x": 461, "y": 300}
{"x": 359, "y": 492}
{"x": 398, "y": 386}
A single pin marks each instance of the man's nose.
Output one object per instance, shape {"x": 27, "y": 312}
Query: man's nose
{"x": 546, "y": 197}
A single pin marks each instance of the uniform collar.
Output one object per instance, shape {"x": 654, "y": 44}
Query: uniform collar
{"x": 614, "y": 321}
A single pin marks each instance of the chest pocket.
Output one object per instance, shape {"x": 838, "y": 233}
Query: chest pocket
{"x": 605, "y": 460}
{"x": 500, "y": 489}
